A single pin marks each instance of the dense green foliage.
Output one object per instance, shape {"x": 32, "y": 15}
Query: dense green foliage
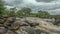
{"x": 43, "y": 14}
{"x": 12, "y": 12}
{"x": 2, "y": 8}
{"x": 24, "y": 12}
{"x": 56, "y": 16}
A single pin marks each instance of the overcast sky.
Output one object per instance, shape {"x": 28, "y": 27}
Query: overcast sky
{"x": 52, "y": 6}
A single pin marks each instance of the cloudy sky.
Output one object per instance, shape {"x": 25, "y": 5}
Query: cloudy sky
{"x": 52, "y": 6}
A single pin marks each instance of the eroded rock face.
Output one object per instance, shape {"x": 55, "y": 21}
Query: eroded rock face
{"x": 15, "y": 26}
{"x": 6, "y": 31}
{"x": 9, "y": 21}
{"x": 6, "y": 25}
{"x": 3, "y": 19}
{"x": 21, "y": 23}
{"x": 29, "y": 30}
{"x": 30, "y": 25}
{"x": 10, "y": 32}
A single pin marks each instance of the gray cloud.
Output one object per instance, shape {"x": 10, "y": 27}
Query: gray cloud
{"x": 44, "y": 0}
{"x": 52, "y": 6}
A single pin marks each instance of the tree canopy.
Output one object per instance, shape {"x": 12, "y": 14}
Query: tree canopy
{"x": 2, "y": 8}
{"x": 24, "y": 12}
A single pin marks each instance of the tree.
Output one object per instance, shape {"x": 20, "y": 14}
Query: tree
{"x": 43, "y": 14}
{"x": 24, "y": 12}
{"x": 1, "y": 7}
{"x": 12, "y": 12}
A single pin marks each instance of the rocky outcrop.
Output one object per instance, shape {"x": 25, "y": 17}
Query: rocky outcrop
{"x": 6, "y": 25}
{"x": 11, "y": 25}
{"x": 28, "y": 25}
{"x": 6, "y": 31}
{"x": 44, "y": 27}
{"x": 29, "y": 30}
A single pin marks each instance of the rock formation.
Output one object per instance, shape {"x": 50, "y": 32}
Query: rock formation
{"x": 28, "y": 25}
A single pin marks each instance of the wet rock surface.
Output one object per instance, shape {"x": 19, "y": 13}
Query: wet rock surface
{"x": 28, "y": 25}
